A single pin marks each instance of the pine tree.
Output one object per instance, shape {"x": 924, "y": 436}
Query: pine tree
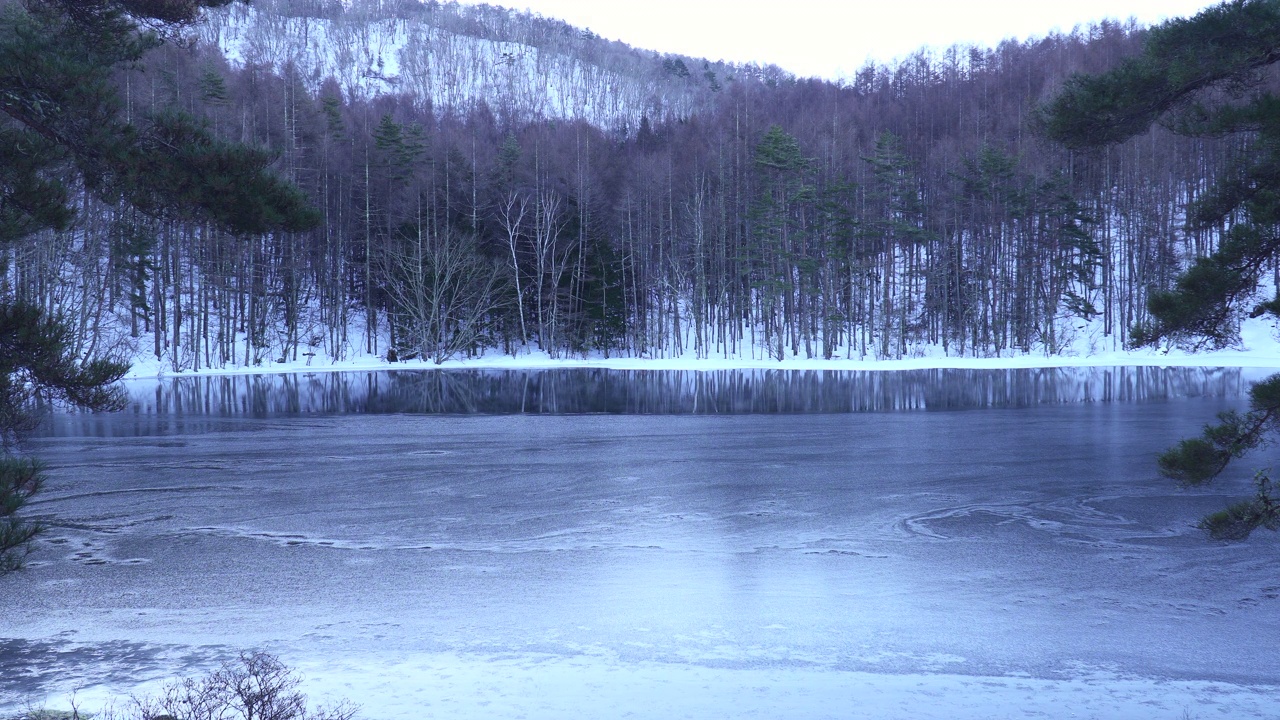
{"x": 1203, "y": 77}
{"x": 782, "y": 173}
{"x": 38, "y": 367}
{"x": 895, "y": 228}
{"x": 61, "y": 117}
{"x": 60, "y": 125}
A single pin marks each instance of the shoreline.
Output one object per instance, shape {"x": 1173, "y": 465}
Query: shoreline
{"x": 1257, "y": 346}
{"x": 156, "y": 370}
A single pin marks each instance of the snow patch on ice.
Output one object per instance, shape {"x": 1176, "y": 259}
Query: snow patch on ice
{"x": 545, "y": 687}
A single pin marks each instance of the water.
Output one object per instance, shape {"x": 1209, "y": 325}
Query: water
{"x": 1002, "y": 526}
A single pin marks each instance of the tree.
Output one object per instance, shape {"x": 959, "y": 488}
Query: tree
{"x": 36, "y": 366}
{"x": 62, "y": 119}
{"x": 255, "y": 686}
{"x": 61, "y": 127}
{"x": 444, "y": 291}
{"x": 781, "y": 247}
{"x": 895, "y": 229}
{"x": 1204, "y": 77}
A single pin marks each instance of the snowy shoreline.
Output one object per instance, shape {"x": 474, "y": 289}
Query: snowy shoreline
{"x": 1267, "y": 358}
{"x": 1258, "y": 348}
{"x": 540, "y": 687}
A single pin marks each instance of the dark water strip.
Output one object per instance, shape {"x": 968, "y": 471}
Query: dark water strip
{"x": 664, "y": 392}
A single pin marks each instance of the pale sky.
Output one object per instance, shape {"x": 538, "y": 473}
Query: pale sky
{"x": 833, "y": 38}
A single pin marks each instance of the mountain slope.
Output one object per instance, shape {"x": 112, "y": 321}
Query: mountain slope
{"x": 456, "y": 56}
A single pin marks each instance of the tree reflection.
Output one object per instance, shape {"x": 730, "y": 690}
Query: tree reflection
{"x": 661, "y": 392}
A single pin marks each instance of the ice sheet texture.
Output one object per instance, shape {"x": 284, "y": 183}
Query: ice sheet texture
{"x": 1013, "y": 553}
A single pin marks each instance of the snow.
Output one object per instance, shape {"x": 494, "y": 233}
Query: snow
{"x": 1258, "y": 348}
{"x": 449, "y": 685}
{"x": 551, "y": 689}
{"x": 530, "y": 76}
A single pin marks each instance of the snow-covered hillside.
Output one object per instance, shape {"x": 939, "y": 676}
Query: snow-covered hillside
{"x": 454, "y": 57}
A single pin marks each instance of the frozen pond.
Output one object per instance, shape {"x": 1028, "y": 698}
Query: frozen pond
{"x": 588, "y": 543}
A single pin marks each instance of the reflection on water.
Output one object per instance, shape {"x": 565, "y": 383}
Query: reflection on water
{"x": 586, "y": 390}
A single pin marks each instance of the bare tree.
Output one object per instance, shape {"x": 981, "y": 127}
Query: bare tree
{"x": 444, "y": 291}
{"x": 511, "y": 212}
{"x": 551, "y": 259}
{"x": 255, "y": 686}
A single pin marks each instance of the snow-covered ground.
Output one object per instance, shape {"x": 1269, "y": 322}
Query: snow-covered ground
{"x": 1258, "y": 348}
{"x": 532, "y": 77}
{"x": 449, "y": 686}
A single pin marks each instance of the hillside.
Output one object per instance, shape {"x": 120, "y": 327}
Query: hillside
{"x": 492, "y": 182}
{"x": 455, "y": 56}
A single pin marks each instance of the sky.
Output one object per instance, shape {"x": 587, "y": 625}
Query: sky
{"x": 833, "y": 38}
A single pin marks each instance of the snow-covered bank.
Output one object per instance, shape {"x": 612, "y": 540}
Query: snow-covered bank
{"x": 1258, "y": 348}
{"x": 532, "y": 687}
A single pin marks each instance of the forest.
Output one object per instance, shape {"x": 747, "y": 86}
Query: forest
{"x": 711, "y": 211}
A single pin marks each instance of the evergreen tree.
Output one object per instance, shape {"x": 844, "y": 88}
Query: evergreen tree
{"x": 60, "y": 125}
{"x": 1203, "y": 77}
{"x": 894, "y": 227}
{"x": 782, "y": 173}
{"x": 37, "y": 367}
{"x": 61, "y": 118}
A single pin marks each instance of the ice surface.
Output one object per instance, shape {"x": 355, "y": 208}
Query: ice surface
{"x": 1015, "y": 555}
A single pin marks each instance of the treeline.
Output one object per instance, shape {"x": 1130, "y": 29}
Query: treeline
{"x": 912, "y": 207}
